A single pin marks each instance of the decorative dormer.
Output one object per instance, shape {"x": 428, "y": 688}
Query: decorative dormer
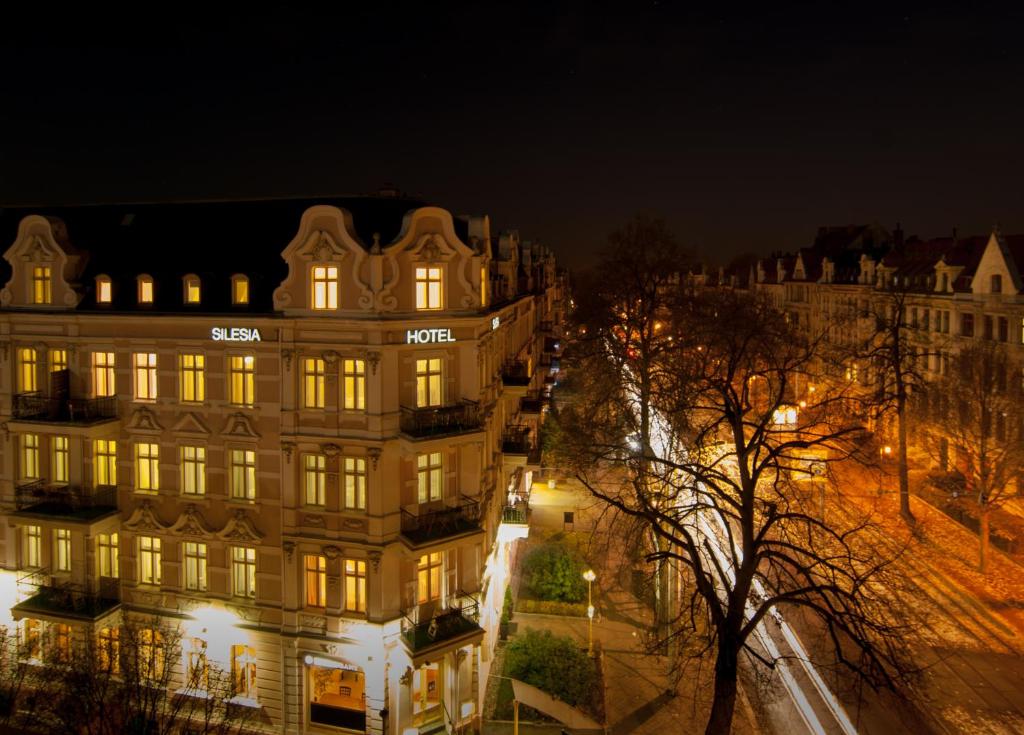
{"x": 828, "y": 271}
{"x": 43, "y": 267}
{"x": 946, "y": 275}
{"x": 997, "y": 272}
{"x": 867, "y": 271}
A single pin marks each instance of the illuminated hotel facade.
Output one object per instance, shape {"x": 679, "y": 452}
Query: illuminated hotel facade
{"x": 294, "y": 426}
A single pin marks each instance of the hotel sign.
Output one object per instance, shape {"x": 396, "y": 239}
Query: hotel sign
{"x": 428, "y": 336}
{"x": 235, "y": 334}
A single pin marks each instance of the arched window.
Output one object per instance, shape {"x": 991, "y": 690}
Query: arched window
{"x": 103, "y": 290}
{"x": 145, "y": 289}
{"x": 239, "y": 289}
{"x": 191, "y": 284}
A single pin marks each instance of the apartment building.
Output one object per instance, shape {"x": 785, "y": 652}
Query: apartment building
{"x": 302, "y": 428}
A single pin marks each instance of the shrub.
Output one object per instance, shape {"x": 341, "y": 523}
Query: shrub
{"x": 507, "y": 607}
{"x": 553, "y": 572}
{"x": 553, "y": 664}
{"x": 553, "y": 607}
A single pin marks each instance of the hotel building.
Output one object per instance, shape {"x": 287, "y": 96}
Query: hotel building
{"x": 298, "y": 428}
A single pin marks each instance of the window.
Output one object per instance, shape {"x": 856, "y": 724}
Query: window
{"x": 61, "y": 642}
{"x": 239, "y": 290}
{"x": 41, "y": 284}
{"x": 315, "y": 471}
{"x": 109, "y": 650}
{"x": 925, "y": 319}
{"x": 243, "y": 474}
{"x": 997, "y": 283}
{"x": 107, "y": 549}
{"x": 243, "y": 671}
{"x": 149, "y": 560}
{"x": 31, "y": 641}
{"x": 33, "y": 546}
{"x": 191, "y": 283}
{"x": 29, "y": 456}
{"x": 429, "y": 476}
{"x": 103, "y": 290}
{"x": 147, "y": 466}
{"x": 27, "y": 363}
{"x": 313, "y": 382}
{"x": 1004, "y": 329}
{"x": 243, "y": 380}
{"x": 150, "y": 653}
{"x": 428, "y": 577}
{"x": 325, "y": 287}
{"x": 967, "y": 325}
{"x": 426, "y": 694}
{"x": 354, "y": 384}
{"x": 428, "y": 287}
{"x": 59, "y": 456}
{"x": 145, "y": 289}
{"x": 195, "y": 566}
{"x": 193, "y": 470}
{"x": 355, "y": 585}
{"x": 945, "y": 322}
{"x": 104, "y": 462}
{"x": 316, "y": 580}
{"x": 145, "y": 376}
{"x": 483, "y": 285}
{"x": 428, "y": 382}
{"x": 193, "y": 378}
{"x": 355, "y": 483}
{"x": 62, "y": 549}
{"x": 102, "y": 374}
{"x": 987, "y": 327}
{"x": 243, "y": 571}
{"x": 58, "y": 360}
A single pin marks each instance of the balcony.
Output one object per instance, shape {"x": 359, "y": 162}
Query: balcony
{"x": 441, "y": 420}
{"x": 428, "y": 625}
{"x": 515, "y": 372}
{"x": 460, "y": 517}
{"x": 532, "y": 402}
{"x": 64, "y": 501}
{"x": 34, "y": 407}
{"x": 53, "y": 599}
{"x": 516, "y": 440}
{"x": 516, "y": 515}
{"x": 546, "y": 327}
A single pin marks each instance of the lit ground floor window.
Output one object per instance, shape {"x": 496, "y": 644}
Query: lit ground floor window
{"x": 336, "y": 694}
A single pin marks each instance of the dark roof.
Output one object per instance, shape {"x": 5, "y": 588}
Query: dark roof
{"x": 214, "y": 240}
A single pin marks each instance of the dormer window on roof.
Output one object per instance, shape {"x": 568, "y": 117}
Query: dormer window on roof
{"x": 428, "y": 287}
{"x": 191, "y": 283}
{"x": 41, "y": 289}
{"x": 103, "y": 290}
{"x": 145, "y": 284}
{"x": 239, "y": 289}
{"x": 324, "y": 284}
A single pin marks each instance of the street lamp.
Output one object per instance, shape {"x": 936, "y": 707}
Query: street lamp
{"x": 590, "y": 577}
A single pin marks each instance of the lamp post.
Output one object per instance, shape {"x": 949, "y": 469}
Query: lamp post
{"x": 590, "y": 577}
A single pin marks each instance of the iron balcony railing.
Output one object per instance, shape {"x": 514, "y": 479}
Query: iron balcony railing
{"x": 515, "y": 372}
{"x": 439, "y": 420}
{"x": 40, "y": 496}
{"x": 532, "y": 402}
{"x": 516, "y": 515}
{"x": 546, "y": 326}
{"x": 460, "y": 515}
{"x": 516, "y": 440}
{"x": 34, "y": 407}
{"x": 428, "y": 624}
{"x": 68, "y": 599}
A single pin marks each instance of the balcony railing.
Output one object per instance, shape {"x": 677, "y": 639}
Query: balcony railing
{"x": 431, "y": 524}
{"x": 65, "y": 500}
{"x": 34, "y": 407}
{"x": 532, "y": 402}
{"x": 546, "y": 327}
{"x": 427, "y": 625}
{"x": 515, "y": 372}
{"x": 516, "y": 515}
{"x": 68, "y": 599}
{"x": 516, "y": 440}
{"x": 439, "y": 420}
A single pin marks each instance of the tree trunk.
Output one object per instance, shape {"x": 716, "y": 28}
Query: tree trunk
{"x": 983, "y": 541}
{"x": 724, "y": 703}
{"x": 904, "y": 469}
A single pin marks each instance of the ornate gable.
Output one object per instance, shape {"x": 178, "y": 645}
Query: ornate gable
{"x": 143, "y": 421}
{"x": 191, "y": 523}
{"x": 39, "y": 243}
{"x": 240, "y": 529}
{"x": 239, "y": 426}
{"x": 191, "y": 424}
{"x": 144, "y": 519}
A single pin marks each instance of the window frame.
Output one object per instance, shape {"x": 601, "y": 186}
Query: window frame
{"x": 246, "y": 470}
{"x": 423, "y": 280}
{"x": 240, "y": 289}
{"x": 28, "y": 456}
{"x": 108, "y": 555}
{"x": 354, "y": 480}
{"x": 315, "y": 580}
{"x": 42, "y": 285}
{"x": 354, "y": 576}
{"x": 193, "y": 469}
{"x": 425, "y": 382}
{"x": 327, "y": 299}
{"x": 28, "y": 370}
{"x": 62, "y": 550}
{"x": 242, "y": 379}
{"x": 102, "y": 365}
{"x": 188, "y": 283}
{"x": 429, "y": 476}
{"x": 243, "y": 571}
{"x": 353, "y": 371}
{"x": 150, "y": 560}
{"x": 143, "y": 283}
{"x": 314, "y": 479}
{"x": 147, "y": 481}
{"x": 104, "y": 289}
{"x": 314, "y": 382}
{"x": 192, "y": 377}
{"x": 104, "y": 462}
{"x": 195, "y": 565}
{"x": 145, "y": 379}
{"x": 32, "y": 546}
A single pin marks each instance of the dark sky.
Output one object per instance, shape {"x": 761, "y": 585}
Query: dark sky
{"x": 746, "y": 131}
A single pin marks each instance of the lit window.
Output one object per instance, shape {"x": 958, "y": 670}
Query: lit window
{"x": 428, "y": 577}
{"x": 147, "y": 466}
{"x": 61, "y": 650}
{"x": 193, "y": 378}
{"x": 197, "y": 674}
{"x": 325, "y": 286}
{"x": 243, "y": 571}
{"x": 428, "y": 287}
{"x": 31, "y": 639}
{"x": 151, "y": 653}
{"x": 104, "y": 462}
{"x": 58, "y": 360}
{"x": 243, "y": 380}
{"x": 145, "y": 284}
{"x": 483, "y": 285}
{"x": 191, "y": 289}
{"x": 355, "y": 483}
{"x": 41, "y": 284}
{"x": 195, "y": 566}
{"x": 428, "y": 382}
{"x": 315, "y": 471}
{"x": 316, "y": 580}
{"x": 30, "y": 456}
{"x": 62, "y": 549}
{"x": 313, "y": 382}
{"x": 102, "y": 374}
{"x": 193, "y": 470}
{"x": 429, "y": 476}
{"x": 243, "y": 671}
{"x": 103, "y": 290}
{"x": 145, "y": 376}
{"x": 149, "y": 560}
{"x": 239, "y": 289}
{"x": 59, "y": 455}
{"x": 109, "y": 650}
{"x": 27, "y": 363}
{"x": 243, "y": 474}
{"x": 355, "y": 585}
{"x": 107, "y": 548}
{"x": 354, "y": 384}
{"x": 33, "y": 547}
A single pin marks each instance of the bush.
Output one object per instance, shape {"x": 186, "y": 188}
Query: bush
{"x": 553, "y": 664}
{"x": 554, "y": 572}
{"x": 553, "y": 607}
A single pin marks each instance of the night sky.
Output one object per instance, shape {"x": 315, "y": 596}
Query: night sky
{"x": 746, "y": 131}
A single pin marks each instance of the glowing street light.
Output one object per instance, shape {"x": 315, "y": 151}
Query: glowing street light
{"x": 590, "y": 577}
